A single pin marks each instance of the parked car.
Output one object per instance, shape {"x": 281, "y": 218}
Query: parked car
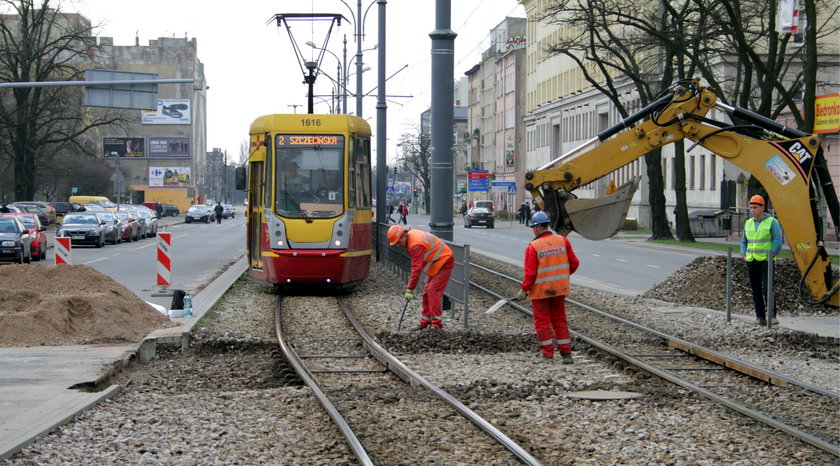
{"x": 113, "y": 232}
{"x": 92, "y": 208}
{"x": 170, "y": 210}
{"x": 36, "y": 232}
{"x": 15, "y": 242}
{"x": 150, "y": 221}
{"x": 156, "y": 207}
{"x": 62, "y": 208}
{"x": 129, "y": 226}
{"x": 33, "y": 209}
{"x": 135, "y": 228}
{"x": 45, "y": 206}
{"x": 228, "y": 212}
{"x": 200, "y": 213}
{"x": 83, "y": 228}
{"x": 479, "y": 216}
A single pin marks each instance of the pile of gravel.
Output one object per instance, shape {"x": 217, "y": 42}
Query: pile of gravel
{"x": 703, "y": 283}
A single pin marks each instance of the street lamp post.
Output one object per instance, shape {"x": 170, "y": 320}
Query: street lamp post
{"x": 337, "y": 80}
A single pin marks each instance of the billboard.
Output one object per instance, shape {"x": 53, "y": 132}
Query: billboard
{"x": 169, "y": 112}
{"x": 124, "y": 147}
{"x": 169, "y": 147}
{"x": 827, "y": 114}
{"x": 169, "y": 177}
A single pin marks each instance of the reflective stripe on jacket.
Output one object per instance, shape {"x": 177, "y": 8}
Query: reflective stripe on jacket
{"x": 759, "y": 242}
{"x": 436, "y": 251}
{"x": 552, "y": 267}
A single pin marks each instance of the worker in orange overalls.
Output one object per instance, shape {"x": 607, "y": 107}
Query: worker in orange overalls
{"x": 549, "y": 262}
{"x": 429, "y": 253}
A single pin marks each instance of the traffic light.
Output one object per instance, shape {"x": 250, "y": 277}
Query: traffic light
{"x": 415, "y": 192}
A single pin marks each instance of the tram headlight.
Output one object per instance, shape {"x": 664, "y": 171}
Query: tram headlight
{"x": 280, "y": 242}
{"x": 338, "y": 242}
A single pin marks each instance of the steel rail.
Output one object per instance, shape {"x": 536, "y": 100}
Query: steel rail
{"x": 701, "y": 352}
{"x": 725, "y": 360}
{"x": 295, "y": 361}
{"x": 407, "y": 374}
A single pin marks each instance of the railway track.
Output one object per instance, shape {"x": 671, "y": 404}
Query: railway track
{"x": 798, "y": 408}
{"x": 369, "y": 394}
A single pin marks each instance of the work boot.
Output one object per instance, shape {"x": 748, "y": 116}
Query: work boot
{"x": 567, "y": 358}
{"x": 416, "y": 328}
{"x": 544, "y": 360}
{"x": 761, "y": 322}
{"x": 775, "y": 321}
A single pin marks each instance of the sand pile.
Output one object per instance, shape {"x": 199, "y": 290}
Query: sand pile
{"x": 70, "y": 305}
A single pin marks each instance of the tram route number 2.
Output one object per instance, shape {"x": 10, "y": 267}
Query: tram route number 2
{"x": 310, "y": 122}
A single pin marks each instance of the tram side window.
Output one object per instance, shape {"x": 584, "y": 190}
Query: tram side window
{"x": 268, "y": 177}
{"x": 361, "y": 175}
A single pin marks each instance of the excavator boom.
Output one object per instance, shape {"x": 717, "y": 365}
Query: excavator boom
{"x": 787, "y": 162}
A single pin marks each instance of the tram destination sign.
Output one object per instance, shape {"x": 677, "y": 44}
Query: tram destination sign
{"x": 308, "y": 140}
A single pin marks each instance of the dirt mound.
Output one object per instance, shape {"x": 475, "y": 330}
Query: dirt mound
{"x": 703, "y": 283}
{"x": 70, "y": 305}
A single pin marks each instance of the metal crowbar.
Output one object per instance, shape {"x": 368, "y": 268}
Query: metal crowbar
{"x": 402, "y": 315}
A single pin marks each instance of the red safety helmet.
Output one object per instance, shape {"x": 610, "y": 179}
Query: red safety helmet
{"x": 757, "y": 200}
{"x": 394, "y": 233}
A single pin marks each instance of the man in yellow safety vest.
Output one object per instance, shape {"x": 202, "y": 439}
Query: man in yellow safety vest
{"x": 762, "y": 236}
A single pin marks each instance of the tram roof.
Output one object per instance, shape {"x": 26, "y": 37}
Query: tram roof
{"x": 303, "y": 123}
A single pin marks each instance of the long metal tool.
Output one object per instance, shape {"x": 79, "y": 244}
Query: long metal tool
{"x": 402, "y": 315}
{"x": 499, "y": 304}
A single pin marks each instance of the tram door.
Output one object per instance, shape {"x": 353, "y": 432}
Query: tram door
{"x": 256, "y": 195}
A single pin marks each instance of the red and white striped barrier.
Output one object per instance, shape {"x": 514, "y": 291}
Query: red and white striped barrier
{"x": 63, "y": 251}
{"x": 164, "y": 260}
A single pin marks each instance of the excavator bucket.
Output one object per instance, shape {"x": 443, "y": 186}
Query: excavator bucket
{"x": 598, "y": 219}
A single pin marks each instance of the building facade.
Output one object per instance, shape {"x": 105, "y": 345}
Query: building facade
{"x": 159, "y": 155}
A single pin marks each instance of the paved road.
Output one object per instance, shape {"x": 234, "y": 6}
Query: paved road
{"x": 625, "y": 266}
{"x": 200, "y": 252}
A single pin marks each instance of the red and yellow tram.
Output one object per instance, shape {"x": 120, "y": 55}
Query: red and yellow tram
{"x": 309, "y": 200}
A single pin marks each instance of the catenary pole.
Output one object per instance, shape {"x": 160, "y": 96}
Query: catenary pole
{"x": 381, "y": 123}
{"x": 443, "y": 66}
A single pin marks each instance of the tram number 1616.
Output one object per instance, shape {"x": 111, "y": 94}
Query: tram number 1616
{"x": 310, "y": 122}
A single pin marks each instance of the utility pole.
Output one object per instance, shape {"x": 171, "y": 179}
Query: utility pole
{"x": 443, "y": 66}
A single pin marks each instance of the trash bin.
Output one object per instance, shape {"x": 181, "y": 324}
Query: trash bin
{"x": 707, "y": 223}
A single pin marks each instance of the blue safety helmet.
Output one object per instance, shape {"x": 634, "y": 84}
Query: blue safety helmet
{"x": 540, "y": 218}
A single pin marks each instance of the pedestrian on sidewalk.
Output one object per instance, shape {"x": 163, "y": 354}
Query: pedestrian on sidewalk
{"x": 425, "y": 250}
{"x": 403, "y": 213}
{"x": 391, "y": 213}
{"x": 549, "y": 262}
{"x": 762, "y": 235}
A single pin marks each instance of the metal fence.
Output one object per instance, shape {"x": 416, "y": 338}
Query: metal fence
{"x": 397, "y": 261}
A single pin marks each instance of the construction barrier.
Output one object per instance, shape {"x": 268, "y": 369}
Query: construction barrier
{"x": 164, "y": 260}
{"x": 63, "y": 251}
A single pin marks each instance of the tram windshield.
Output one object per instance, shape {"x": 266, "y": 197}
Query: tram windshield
{"x": 310, "y": 181}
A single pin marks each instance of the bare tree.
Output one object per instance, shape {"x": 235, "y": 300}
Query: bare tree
{"x": 38, "y": 44}
{"x": 416, "y": 158}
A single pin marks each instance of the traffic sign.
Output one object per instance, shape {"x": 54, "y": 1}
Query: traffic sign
{"x": 504, "y": 187}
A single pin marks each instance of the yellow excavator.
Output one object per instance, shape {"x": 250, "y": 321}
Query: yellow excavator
{"x": 789, "y": 164}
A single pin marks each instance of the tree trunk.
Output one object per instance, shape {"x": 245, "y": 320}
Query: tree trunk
{"x": 682, "y": 227}
{"x": 656, "y": 196}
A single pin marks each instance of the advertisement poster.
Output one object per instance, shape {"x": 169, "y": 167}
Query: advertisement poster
{"x": 169, "y": 112}
{"x": 124, "y": 147}
{"x": 169, "y": 177}
{"x": 169, "y": 147}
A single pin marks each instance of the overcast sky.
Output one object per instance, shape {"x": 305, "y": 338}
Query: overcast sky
{"x": 251, "y": 68}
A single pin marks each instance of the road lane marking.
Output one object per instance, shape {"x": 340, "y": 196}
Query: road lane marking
{"x": 654, "y": 266}
{"x": 621, "y": 260}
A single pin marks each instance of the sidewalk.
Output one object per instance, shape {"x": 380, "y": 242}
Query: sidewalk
{"x": 37, "y": 384}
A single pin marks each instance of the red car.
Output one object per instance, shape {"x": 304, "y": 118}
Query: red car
{"x": 36, "y": 231}
{"x": 129, "y": 226}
